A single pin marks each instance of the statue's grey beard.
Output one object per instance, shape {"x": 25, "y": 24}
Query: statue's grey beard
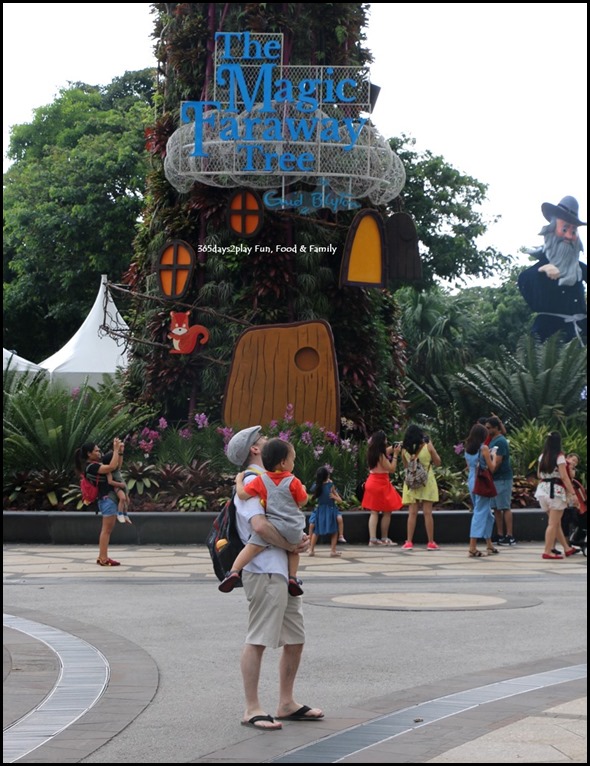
{"x": 565, "y": 255}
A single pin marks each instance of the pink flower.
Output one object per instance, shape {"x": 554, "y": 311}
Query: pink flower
{"x": 227, "y": 434}
{"x": 162, "y": 424}
{"x": 458, "y": 448}
{"x": 289, "y": 413}
{"x": 185, "y": 433}
{"x": 201, "y": 420}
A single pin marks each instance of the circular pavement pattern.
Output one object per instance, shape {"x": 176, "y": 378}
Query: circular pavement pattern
{"x": 428, "y": 602}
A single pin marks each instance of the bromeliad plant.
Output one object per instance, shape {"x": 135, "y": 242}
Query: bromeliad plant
{"x": 140, "y": 477}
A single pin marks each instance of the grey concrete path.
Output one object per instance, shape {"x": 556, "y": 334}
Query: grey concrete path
{"x": 415, "y": 657}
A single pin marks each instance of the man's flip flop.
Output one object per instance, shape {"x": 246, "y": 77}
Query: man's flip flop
{"x": 300, "y": 715}
{"x": 255, "y": 720}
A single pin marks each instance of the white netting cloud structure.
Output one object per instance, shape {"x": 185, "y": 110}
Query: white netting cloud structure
{"x": 295, "y": 110}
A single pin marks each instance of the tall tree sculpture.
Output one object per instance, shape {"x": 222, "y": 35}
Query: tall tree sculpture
{"x": 241, "y": 282}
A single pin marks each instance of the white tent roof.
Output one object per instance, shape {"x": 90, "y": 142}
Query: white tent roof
{"x": 91, "y": 354}
{"x": 17, "y": 363}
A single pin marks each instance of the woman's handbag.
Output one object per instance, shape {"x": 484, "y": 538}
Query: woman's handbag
{"x": 484, "y": 483}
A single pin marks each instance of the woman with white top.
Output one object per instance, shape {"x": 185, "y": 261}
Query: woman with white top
{"x": 554, "y": 492}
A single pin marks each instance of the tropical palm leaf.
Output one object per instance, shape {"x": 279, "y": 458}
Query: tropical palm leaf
{"x": 544, "y": 381}
{"x": 44, "y": 424}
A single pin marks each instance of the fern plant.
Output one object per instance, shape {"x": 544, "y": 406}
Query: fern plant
{"x": 44, "y": 424}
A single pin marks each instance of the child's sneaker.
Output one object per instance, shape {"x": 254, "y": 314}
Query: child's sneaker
{"x": 232, "y": 580}
{"x": 295, "y": 588}
{"x": 432, "y": 547}
{"x": 407, "y": 546}
{"x": 341, "y": 539}
{"x": 127, "y": 519}
{"x": 121, "y": 518}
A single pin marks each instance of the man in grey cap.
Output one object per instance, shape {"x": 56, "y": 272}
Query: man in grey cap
{"x": 553, "y": 287}
{"x": 275, "y": 619}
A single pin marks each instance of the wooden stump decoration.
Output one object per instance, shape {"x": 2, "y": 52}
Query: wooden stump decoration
{"x": 277, "y": 365}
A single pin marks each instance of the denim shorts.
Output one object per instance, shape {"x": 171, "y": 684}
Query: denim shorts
{"x": 107, "y": 506}
{"x": 503, "y": 500}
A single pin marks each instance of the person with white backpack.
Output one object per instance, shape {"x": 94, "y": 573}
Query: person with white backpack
{"x": 420, "y": 486}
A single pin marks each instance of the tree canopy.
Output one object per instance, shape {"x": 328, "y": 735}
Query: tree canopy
{"x": 72, "y": 200}
{"x": 444, "y": 203}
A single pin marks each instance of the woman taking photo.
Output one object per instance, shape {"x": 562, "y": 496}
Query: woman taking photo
{"x": 555, "y": 492}
{"x": 477, "y": 454}
{"x": 380, "y": 495}
{"x": 417, "y": 444}
{"x": 88, "y": 463}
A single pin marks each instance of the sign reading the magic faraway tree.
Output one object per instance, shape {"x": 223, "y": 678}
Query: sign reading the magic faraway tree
{"x": 270, "y": 124}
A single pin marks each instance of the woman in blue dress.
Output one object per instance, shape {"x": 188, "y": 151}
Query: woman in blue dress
{"x": 482, "y": 522}
{"x": 326, "y": 511}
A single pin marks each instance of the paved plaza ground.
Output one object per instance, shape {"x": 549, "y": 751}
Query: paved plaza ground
{"x": 415, "y": 657}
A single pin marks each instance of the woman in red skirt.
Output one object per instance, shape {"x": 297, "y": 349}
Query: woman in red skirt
{"x": 380, "y": 495}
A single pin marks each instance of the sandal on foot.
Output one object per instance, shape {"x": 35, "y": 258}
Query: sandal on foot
{"x": 492, "y": 551}
{"x": 302, "y": 715}
{"x": 374, "y": 542}
{"x": 255, "y": 723}
{"x": 295, "y": 588}
{"x": 475, "y": 554}
{"x": 108, "y": 563}
{"x": 231, "y": 580}
{"x": 335, "y": 554}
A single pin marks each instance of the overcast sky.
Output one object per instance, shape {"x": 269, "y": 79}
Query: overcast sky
{"x": 498, "y": 89}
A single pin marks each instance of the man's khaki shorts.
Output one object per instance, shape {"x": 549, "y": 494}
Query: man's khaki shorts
{"x": 275, "y": 617}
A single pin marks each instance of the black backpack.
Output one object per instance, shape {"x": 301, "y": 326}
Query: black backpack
{"x": 223, "y": 540}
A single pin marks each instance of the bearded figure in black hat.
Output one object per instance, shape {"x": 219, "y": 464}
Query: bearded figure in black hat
{"x": 554, "y": 286}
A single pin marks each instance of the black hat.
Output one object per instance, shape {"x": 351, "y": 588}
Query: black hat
{"x": 566, "y": 210}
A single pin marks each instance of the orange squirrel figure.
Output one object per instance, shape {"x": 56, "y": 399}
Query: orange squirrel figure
{"x": 184, "y": 338}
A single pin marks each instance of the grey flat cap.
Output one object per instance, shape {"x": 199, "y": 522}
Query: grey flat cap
{"x": 239, "y": 445}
